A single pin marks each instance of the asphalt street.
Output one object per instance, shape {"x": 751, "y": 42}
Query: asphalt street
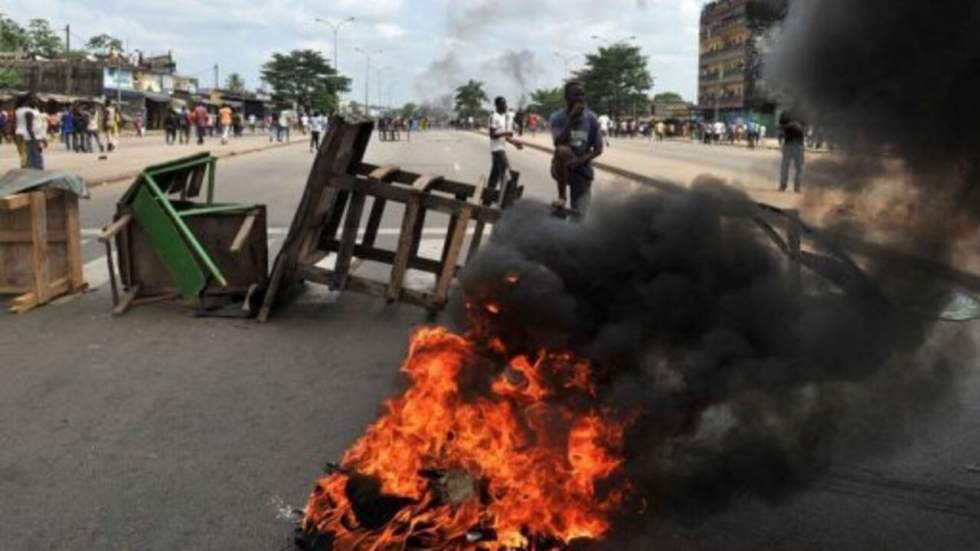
{"x": 159, "y": 431}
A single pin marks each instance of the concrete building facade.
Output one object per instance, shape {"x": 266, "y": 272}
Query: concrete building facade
{"x": 730, "y": 85}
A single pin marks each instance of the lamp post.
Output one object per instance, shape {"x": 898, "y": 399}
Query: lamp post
{"x": 336, "y": 32}
{"x": 566, "y": 59}
{"x": 367, "y": 77}
{"x": 378, "y": 72}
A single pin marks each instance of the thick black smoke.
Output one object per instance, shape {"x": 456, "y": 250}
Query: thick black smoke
{"x": 746, "y": 386}
{"x": 884, "y": 76}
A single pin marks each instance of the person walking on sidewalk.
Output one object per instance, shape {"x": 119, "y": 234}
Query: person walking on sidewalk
{"x": 224, "y": 119}
{"x": 578, "y": 141}
{"x": 170, "y": 126}
{"x": 604, "y": 122}
{"x": 792, "y": 132}
{"x": 67, "y": 129}
{"x": 317, "y": 124}
{"x": 501, "y": 133}
{"x": 200, "y": 122}
{"x": 110, "y": 125}
{"x": 183, "y": 126}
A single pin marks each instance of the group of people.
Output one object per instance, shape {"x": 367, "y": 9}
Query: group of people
{"x": 81, "y": 127}
{"x": 226, "y": 123}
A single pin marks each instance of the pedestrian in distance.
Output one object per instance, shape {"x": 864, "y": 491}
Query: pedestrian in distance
{"x": 67, "y": 129}
{"x": 317, "y": 125}
{"x": 183, "y": 126}
{"x": 578, "y": 141}
{"x": 30, "y": 132}
{"x": 170, "y": 127}
{"x": 251, "y": 123}
{"x": 604, "y": 122}
{"x": 3, "y": 126}
{"x": 501, "y": 133}
{"x": 201, "y": 117}
{"x": 225, "y": 120}
{"x": 793, "y": 134}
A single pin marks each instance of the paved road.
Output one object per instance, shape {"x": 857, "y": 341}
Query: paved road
{"x": 159, "y": 431}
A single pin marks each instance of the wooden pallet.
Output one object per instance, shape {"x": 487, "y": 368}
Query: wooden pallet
{"x": 40, "y": 247}
{"x": 329, "y": 222}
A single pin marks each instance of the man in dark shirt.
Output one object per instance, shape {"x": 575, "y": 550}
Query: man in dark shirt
{"x": 791, "y": 131}
{"x": 578, "y": 141}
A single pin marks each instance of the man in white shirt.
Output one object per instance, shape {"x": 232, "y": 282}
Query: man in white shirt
{"x": 604, "y": 122}
{"x": 317, "y": 124}
{"x": 501, "y": 132}
{"x": 29, "y": 133}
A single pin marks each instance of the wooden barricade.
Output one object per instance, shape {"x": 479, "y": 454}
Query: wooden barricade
{"x": 329, "y": 222}
{"x": 40, "y": 247}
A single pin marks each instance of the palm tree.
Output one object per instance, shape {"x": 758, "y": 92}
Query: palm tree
{"x": 470, "y": 99}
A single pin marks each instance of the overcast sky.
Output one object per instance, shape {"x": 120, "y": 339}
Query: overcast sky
{"x": 428, "y": 45}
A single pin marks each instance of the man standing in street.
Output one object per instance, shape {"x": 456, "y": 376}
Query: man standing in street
{"x": 110, "y": 125}
{"x": 317, "y": 125}
{"x": 31, "y": 125}
{"x": 578, "y": 142}
{"x": 501, "y": 133}
{"x": 792, "y": 134}
{"x": 170, "y": 126}
{"x": 200, "y": 122}
{"x": 224, "y": 119}
{"x": 604, "y": 122}
{"x": 67, "y": 129}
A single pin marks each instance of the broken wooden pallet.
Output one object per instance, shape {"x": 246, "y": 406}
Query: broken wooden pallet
{"x": 329, "y": 218}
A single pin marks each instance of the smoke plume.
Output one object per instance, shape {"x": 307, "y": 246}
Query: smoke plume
{"x": 519, "y": 66}
{"x": 745, "y": 385}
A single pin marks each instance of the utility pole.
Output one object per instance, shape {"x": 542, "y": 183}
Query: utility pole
{"x": 336, "y": 31}
{"x": 367, "y": 78}
{"x": 67, "y": 59}
{"x": 216, "y": 85}
{"x": 380, "y": 89}
{"x": 566, "y": 59}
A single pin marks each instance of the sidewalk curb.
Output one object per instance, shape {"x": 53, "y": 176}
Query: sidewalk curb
{"x": 130, "y": 174}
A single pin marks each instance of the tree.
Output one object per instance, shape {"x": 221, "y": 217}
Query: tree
{"x": 10, "y": 77}
{"x": 306, "y": 77}
{"x": 617, "y": 80}
{"x": 13, "y": 37}
{"x": 470, "y": 99}
{"x": 103, "y": 43}
{"x": 235, "y": 83}
{"x": 42, "y": 40}
{"x": 547, "y": 101}
{"x": 668, "y": 97}
{"x": 408, "y": 110}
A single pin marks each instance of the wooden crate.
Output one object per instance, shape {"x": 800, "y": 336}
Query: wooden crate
{"x": 40, "y": 247}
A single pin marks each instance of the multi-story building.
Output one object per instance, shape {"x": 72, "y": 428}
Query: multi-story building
{"x": 730, "y": 84}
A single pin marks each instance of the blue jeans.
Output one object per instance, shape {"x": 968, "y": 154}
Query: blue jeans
{"x": 34, "y": 158}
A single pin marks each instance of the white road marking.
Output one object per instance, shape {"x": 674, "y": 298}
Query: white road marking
{"x": 456, "y": 167}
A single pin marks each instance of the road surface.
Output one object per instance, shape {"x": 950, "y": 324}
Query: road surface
{"x": 160, "y": 431}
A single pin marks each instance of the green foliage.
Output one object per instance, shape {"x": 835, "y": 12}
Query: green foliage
{"x": 306, "y": 77}
{"x": 547, "y": 101}
{"x": 43, "y": 40}
{"x": 408, "y": 110}
{"x": 10, "y": 78}
{"x": 668, "y": 97}
{"x": 617, "y": 80}
{"x": 103, "y": 43}
{"x": 12, "y": 36}
{"x": 470, "y": 99}
{"x": 235, "y": 83}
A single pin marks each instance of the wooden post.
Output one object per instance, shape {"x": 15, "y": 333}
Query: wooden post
{"x": 73, "y": 233}
{"x": 39, "y": 236}
{"x": 349, "y": 239}
{"x": 406, "y": 249}
{"x": 450, "y": 258}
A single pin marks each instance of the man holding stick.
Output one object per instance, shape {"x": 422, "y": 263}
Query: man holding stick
{"x": 578, "y": 140}
{"x": 501, "y": 133}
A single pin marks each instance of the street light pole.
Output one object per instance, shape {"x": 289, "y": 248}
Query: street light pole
{"x": 336, "y": 41}
{"x": 380, "y": 70}
{"x": 566, "y": 59}
{"x": 367, "y": 78}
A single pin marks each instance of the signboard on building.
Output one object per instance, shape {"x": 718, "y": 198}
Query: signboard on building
{"x": 147, "y": 82}
{"x": 117, "y": 78}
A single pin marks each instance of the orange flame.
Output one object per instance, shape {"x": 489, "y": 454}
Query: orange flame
{"x": 529, "y": 467}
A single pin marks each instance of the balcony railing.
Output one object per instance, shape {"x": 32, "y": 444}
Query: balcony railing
{"x": 730, "y": 52}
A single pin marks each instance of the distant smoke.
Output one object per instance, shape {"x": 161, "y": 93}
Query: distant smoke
{"x": 521, "y": 67}
{"x": 746, "y": 387}
{"x": 442, "y": 75}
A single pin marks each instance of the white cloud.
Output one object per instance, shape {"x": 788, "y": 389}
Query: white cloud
{"x": 390, "y": 30}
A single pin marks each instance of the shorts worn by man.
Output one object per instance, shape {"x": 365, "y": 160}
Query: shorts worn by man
{"x": 578, "y": 140}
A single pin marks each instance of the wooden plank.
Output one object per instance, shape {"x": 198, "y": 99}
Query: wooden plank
{"x": 408, "y": 178}
{"x": 449, "y": 263}
{"x": 29, "y": 301}
{"x": 405, "y": 251}
{"x": 373, "y": 254}
{"x": 243, "y": 233}
{"x": 15, "y": 236}
{"x": 384, "y": 172}
{"x": 39, "y": 229}
{"x": 352, "y": 223}
{"x": 14, "y": 202}
{"x": 127, "y": 301}
{"x": 112, "y": 229}
{"x": 425, "y": 182}
{"x": 73, "y": 229}
{"x": 374, "y": 221}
